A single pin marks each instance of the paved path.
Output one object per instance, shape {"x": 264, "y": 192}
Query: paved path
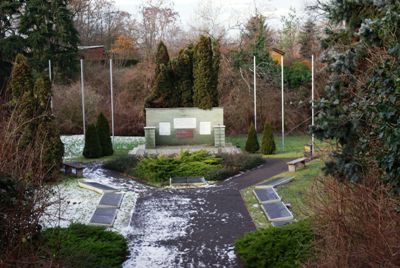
{"x": 192, "y": 227}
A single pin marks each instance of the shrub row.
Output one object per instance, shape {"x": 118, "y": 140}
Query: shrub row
{"x": 97, "y": 139}
{"x": 285, "y": 246}
{"x": 82, "y": 245}
{"x": 267, "y": 142}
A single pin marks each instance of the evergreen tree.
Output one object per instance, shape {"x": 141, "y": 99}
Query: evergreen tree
{"x": 252, "y": 144}
{"x": 49, "y": 33}
{"x": 164, "y": 92}
{"x": 183, "y": 74}
{"x": 103, "y": 131}
{"x": 215, "y": 72}
{"x": 92, "y": 147}
{"x": 162, "y": 57}
{"x": 21, "y": 79}
{"x": 203, "y": 74}
{"x": 308, "y": 39}
{"x": 267, "y": 142}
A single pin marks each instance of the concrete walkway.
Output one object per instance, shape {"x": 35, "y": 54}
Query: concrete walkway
{"x": 191, "y": 227}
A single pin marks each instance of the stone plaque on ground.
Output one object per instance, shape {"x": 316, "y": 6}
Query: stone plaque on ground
{"x": 275, "y": 182}
{"x": 111, "y": 200}
{"x": 267, "y": 195}
{"x": 104, "y": 216}
{"x": 277, "y": 212}
{"x": 95, "y": 186}
{"x": 279, "y": 223}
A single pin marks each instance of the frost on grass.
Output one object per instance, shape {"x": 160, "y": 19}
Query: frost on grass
{"x": 73, "y": 144}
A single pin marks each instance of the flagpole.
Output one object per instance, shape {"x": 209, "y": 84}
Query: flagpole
{"x": 283, "y": 106}
{"x": 255, "y": 94}
{"x": 112, "y": 100}
{"x": 83, "y": 99}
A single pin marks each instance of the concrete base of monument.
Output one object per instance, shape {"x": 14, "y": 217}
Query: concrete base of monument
{"x": 175, "y": 149}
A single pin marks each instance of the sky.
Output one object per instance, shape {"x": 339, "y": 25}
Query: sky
{"x": 229, "y": 12}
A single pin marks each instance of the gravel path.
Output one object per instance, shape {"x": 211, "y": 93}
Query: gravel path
{"x": 190, "y": 227}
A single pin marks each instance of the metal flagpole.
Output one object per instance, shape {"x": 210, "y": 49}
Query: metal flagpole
{"x": 50, "y": 78}
{"x": 255, "y": 94}
{"x": 283, "y": 107}
{"x": 112, "y": 101}
{"x": 83, "y": 99}
{"x": 312, "y": 102}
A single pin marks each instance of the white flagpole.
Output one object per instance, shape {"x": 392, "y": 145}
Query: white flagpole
{"x": 50, "y": 78}
{"x": 112, "y": 101}
{"x": 283, "y": 106}
{"x": 312, "y": 102}
{"x": 83, "y": 99}
{"x": 255, "y": 94}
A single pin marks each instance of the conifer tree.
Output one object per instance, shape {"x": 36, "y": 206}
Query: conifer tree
{"x": 162, "y": 57}
{"x": 215, "y": 72}
{"x": 252, "y": 144}
{"x": 21, "y": 79}
{"x": 267, "y": 142}
{"x": 183, "y": 73}
{"x": 103, "y": 131}
{"x": 92, "y": 147}
{"x": 203, "y": 74}
{"x": 308, "y": 39}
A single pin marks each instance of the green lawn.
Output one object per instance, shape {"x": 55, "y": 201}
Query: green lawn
{"x": 295, "y": 193}
{"x": 294, "y": 144}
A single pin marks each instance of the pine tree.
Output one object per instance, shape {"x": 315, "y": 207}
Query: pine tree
{"x": 252, "y": 144}
{"x": 308, "y": 39}
{"x": 203, "y": 74}
{"x": 50, "y": 34}
{"x": 92, "y": 147}
{"x": 267, "y": 142}
{"x": 103, "y": 131}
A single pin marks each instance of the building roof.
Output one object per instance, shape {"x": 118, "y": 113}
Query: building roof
{"x": 89, "y": 47}
{"x": 278, "y": 51}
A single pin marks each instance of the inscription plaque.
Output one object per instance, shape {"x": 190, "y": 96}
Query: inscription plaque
{"x": 184, "y": 123}
{"x": 164, "y": 128}
{"x": 205, "y": 128}
{"x": 184, "y": 133}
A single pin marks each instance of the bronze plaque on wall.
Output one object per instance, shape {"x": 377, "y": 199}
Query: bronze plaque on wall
{"x": 184, "y": 133}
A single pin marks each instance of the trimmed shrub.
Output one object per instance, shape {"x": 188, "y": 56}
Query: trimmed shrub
{"x": 285, "y": 246}
{"x": 103, "y": 131}
{"x": 92, "y": 147}
{"x": 252, "y": 144}
{"x": 82, "y": 245}
{"x": 267, "y": 142}
{"x": 122, "y": 163}
{"x": 220, "y": 174}
{"x": 160, "y": 169}
{"x": 241, "y": 162}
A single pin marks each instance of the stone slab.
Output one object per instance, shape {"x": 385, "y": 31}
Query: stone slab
{"x": 141, "y": 150}
{"x": 277, "y": 211}
{"x": 280, "y": 223}
{"x": 97, "y": 187}
{"x": 104, "y": 216}
{"x": 111, "y": 200}
{"x": 275, "y": 182}
{"x": 266, "y": 195}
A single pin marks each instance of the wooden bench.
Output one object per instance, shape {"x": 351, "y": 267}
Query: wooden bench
{"x": 78, "y": 168}
{"x": 296, "y": 164}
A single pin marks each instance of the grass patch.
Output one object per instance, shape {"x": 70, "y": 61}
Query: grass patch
{"x": 294, "y": 193}
{"x": 286, "y": 246}
{"x": 294, "y": 145}
{"x": 82, "y": 245}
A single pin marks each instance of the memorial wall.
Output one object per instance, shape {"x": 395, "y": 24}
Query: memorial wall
{"x": 183, "y": 126}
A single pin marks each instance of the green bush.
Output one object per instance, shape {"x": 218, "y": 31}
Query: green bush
{"x": 220, "y": 174}
{"x": 285, "y": 246}
{"x": 160, "y": 169}
{"x": 297, "y": 74}
{"x": 267, "y": 142}
{"x": 122, "y": 163}
{"x": 241, "y": 162}
{"x": 252, "y": 144}
{"x": 92, "y": 147}
{"x": 103, "y": 131}
{"x": 84, "y": 246}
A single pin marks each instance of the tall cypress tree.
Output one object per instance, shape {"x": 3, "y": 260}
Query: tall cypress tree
{"x": 164, "y": 92}
{"x": 215, "y": 72}
{"x": 21, "y": 79}
{"x": 308, "y": 39}
{"x": 103, "y": 131}
{"x": 252, "y": 144}
{"x": 203, "y": 74}
{"x": 92, "y": 147}
{"x": 182, "y": 68}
